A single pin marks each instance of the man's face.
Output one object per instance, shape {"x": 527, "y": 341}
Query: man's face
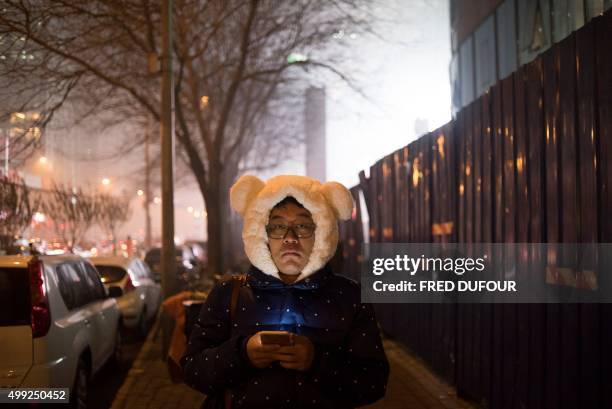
{"x": 290, "y": 254}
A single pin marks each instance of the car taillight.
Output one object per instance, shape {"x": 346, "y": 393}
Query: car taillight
{"x": 40, "y": 316}
{"x": 129, "y": 286}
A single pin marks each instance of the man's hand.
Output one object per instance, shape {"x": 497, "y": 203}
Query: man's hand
{"x": 260, "y": 355}
{"x": 298, "y": 356}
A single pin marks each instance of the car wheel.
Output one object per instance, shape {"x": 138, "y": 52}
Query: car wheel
{"x": 80, "y": 390}
{"x": 143, "y": 325}
{"x": 117, "y": 357}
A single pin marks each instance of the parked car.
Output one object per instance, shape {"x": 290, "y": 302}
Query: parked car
{"x": 139, "y": 295}
{"x": 58, "y": 326}
{"x": 187, "y": 267}
{"x": 198, "y": 248}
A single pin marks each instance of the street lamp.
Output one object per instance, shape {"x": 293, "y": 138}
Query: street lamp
{"x": 106, "y": 181}
{"x": 39, "y": 217}
{"x": 204, "y": 102}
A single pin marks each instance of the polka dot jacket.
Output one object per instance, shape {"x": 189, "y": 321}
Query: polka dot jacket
{"x": 350, "y": 368}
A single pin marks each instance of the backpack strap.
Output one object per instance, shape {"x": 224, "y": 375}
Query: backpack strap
{"x": 237, "y": 281}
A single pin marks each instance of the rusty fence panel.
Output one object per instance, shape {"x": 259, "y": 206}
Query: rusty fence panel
{"x": 550, "y": 62}
{"x": 495, "y": 392}
{"x": 535, "y": 164}
{"x": 603, "y": 34}
{"x": 443, "y": 231}
{"x": 588, "y": 362}
{"x": 520, "y": 165}
{"x": 464, "y": 221}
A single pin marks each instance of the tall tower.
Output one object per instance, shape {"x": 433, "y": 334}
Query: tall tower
{"x": 314, "y": 116}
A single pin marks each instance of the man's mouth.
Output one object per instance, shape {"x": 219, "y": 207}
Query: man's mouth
{"x": 291, "y": 253}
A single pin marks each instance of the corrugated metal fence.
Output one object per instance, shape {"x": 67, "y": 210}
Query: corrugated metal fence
{"x": 530, "y": 161}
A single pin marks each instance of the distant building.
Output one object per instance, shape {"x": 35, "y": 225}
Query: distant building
{"x": 315, "y": 133}
{"x": 490, "y": 39}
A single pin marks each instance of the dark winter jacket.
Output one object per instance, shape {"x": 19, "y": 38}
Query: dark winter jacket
{"x": 350, "y": 368}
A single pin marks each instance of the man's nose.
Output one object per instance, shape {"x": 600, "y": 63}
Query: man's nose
{"x": 290, "y": 237}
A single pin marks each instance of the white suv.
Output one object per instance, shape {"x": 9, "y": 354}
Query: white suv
{"x": 57, "y": 324}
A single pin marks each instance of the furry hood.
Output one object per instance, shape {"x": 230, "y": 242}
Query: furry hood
{"x": 327, "y": 202}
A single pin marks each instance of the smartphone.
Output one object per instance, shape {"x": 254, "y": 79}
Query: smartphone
{"x": 282, "y": 338}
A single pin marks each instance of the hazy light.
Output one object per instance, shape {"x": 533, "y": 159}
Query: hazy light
{"x": 39, "y": 217}
{"x": 296, "y": 57}
{"x": 43, "y": 160}
{"x": 519, "y": 163}
{"x": 106, "y": 181}
{"x": 140, "y": 192}
{"x": 156, "y": 200}
{"x": 416, "y": 173}
{"x": 190, "y": 209}
{"x": 33, "y": 133}
{"x": 440, "y": 142}
{"x": 196, "y": 214}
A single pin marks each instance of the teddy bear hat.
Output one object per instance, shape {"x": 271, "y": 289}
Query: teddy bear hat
{"x": 253, "y": 199}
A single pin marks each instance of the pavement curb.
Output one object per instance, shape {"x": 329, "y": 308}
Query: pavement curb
{"x": 137, "y": 367}
{"x": 147, "y": 384}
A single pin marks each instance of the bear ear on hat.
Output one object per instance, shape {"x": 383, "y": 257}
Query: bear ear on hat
{"x": 339, "y": 198}
{"x": 244, "y": 191}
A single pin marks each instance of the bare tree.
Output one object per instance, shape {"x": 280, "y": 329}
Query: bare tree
{"x": 238, "y": 82}
{"x": 72, "y": 211}
{"x": 16, "y": 210}
{"x": 111, "y": 213}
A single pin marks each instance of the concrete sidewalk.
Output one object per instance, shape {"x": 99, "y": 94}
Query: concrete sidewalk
{"x": 148, "y": 385}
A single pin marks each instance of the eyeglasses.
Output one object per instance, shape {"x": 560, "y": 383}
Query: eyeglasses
{"x": 279, "y": 231}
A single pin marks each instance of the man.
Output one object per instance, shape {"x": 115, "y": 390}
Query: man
{"x": 328, "y": 353}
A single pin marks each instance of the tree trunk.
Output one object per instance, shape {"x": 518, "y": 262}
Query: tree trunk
{"x": 215, "y": 229}
{"x": 215, "y": 191}
{"x": 233, "y": 249}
